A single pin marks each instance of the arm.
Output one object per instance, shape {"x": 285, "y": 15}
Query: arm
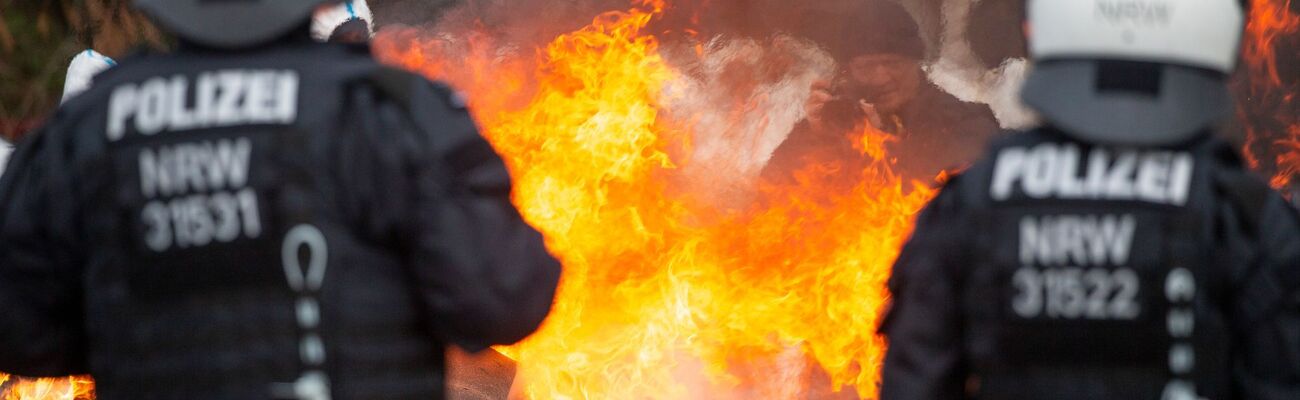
{"x": 484, "y": 273}
{"x": 923, "y": 326}
{"x": 40, "y": 298}
{"x": 1269, "y": 365}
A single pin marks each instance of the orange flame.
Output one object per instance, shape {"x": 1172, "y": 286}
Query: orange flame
{"x": 664, "y": 294}
{"x": 72, "y": 388}
{"x": 1270, "y": 105}
{"x": 1270, "y": 20}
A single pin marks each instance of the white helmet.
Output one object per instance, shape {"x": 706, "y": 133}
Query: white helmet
{"x": 1135, "y": 72}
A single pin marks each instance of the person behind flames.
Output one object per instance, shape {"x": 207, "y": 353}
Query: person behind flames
{"x": 260, "y": 216}
{"x": 1121, "y": 250}
{"x": 882, "y": 84}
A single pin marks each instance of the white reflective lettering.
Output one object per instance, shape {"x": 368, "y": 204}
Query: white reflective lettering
{"x": 1181, "y": 323}
{"x": 257, "y": 98}
{"x": 205, "y": 97}
{"x": 229, "y": 166}
{"x": 1077, "y": 239}
{"x": 1119, "y": 180}
{"x": 180, "y": 116}
{"x": 1067, "y": 172}
{"x": 1180, "y": 286}
{"x": 151, "y": 117}
{"x": 232, "y": 90}
{"x": 1076, "y": 293}
{"x": 1179, "y": 390}
{"x": 1053, "y": 171}
{"x": 1009, "y": 168}
{"x": 1180, "y": 178}
{"x": 205, "y": 195}
{"x": 1182, "y": 358}
{"x": 220, "y": 98}
{"x": 121, "y": 104}
{"x": 1098, "y": 164}
{"x": 158, "y": 223}
{"x": 1040, "y": 177}
{"x": 248, "y": 208}
{"x": 286, "y": 98}
{"x": 1153, "y": 177}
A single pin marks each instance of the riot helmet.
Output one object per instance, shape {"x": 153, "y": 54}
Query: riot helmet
{"x": 1132, "y": 72}
{"x": 230, "y": 24}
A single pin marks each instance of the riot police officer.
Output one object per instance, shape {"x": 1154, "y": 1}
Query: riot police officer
{"x": 259, "y": 215}
{"x": 1120, "y": 251}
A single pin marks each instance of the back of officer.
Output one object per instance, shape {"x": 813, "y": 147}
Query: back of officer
{"x": 260, "y": 216}
{"x": 1118, "y": 252}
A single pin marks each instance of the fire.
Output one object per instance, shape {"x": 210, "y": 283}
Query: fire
{"x": 665, "y": 294}
{"x": 73, "y": 388}
{"x": 1270, "y": 107}
{"x": 1270, "y": 21}
{"x": 669, "y": 293}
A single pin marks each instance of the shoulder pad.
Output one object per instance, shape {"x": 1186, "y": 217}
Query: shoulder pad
{"x": 1248, "y": 194}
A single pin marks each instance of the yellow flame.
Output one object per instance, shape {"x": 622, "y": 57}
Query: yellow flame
{"x": 72, "y": 388}
{"x": 663, "y": 295}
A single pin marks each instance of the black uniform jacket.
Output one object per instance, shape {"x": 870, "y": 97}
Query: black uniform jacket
{"x": 161, "y": 231}
{"x": 1055, "y": 269}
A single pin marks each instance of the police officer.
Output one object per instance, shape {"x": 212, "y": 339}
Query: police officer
{"x": 260, "y": 216}
{"x": 1120, "y": 251}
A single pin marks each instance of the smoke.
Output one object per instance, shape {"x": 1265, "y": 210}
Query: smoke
{"x": 747, "y": 63}
{"x": 961, "y": 72}
{"x": 744, "y": 70}
{"x": 743, "y": 96}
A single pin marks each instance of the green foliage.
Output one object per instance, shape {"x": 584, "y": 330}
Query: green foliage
{"x": 35, "y": 46}
{"x": 39, "y": 38}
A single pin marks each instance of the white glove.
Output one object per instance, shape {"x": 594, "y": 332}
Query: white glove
{"x": 82, "y": 70}
{"x": 328, "y": 19}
